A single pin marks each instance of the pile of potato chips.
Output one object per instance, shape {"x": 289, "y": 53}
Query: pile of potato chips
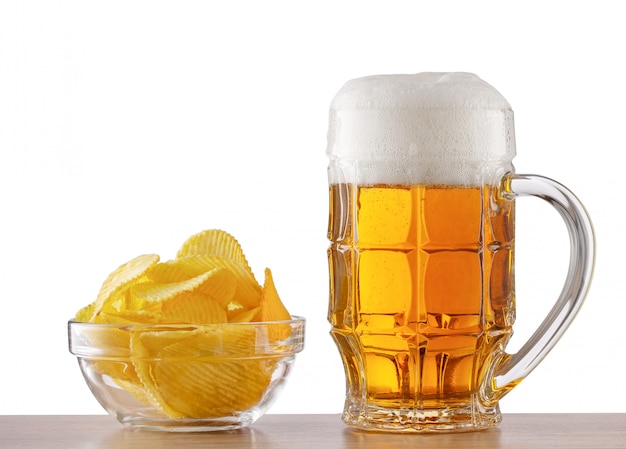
{"x": 189, "y": 372}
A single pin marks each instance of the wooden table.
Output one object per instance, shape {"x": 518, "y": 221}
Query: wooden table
{"x": 313, "y": 431}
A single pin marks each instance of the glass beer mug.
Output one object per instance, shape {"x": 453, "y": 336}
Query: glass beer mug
{"x": 421, "y": 255}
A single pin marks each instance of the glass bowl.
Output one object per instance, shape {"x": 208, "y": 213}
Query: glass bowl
{"x": 180, "y": 377}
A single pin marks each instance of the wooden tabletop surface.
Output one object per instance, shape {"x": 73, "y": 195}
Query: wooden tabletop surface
{"x": 517, "y": 431}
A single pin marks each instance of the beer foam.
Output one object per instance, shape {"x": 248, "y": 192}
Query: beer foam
{"x": 434, "y": 128}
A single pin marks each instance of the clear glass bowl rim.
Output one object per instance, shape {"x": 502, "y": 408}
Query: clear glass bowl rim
{"x": 289, "y": 346}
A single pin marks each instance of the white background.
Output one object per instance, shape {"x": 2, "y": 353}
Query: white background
{"x": 126, "y": 126}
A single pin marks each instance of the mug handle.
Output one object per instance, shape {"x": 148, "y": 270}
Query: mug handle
{"x": 512, "y": 368}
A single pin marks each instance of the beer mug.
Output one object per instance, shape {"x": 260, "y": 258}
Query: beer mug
{"x": 421, "y": 255}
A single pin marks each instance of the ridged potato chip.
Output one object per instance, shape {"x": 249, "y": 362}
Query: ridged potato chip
{"x": 272, "y": 308}
{"x": 213, "y": 242}
{"x": 190, "y": 373}
{"x": 139, "y": 391}
{"x": 151, "y": 295}
{"x": 116, "y": 341}
{"x": 243, "y": 289}
{"x": 242, "y": 315}
{"x": 117, "y": 281}
{"x": 193, "y": 307}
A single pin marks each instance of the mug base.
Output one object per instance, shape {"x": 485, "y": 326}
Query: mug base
{"x": 465, "y": 418}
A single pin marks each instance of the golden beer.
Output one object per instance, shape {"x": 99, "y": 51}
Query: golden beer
{"x": 421, "y": 297}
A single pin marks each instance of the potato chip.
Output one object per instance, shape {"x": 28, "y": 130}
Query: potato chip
{"x": 139, "y": 391}
{"x": 190, "y": 375}
{"x": 85, "y": 314}
{"x": 247, "y": 290}
{"x": 126, "y": 273}
{"x": 241, "y": 315}
{"x": 129, "y": 316}
{"x": 272, "y": 308}
{"x": 114, "y": 341}
{"x": 118, "y": 280}
{"x": 193, "y": 307}
{"x": 195, "y": 389}
{"x": 175, "y": 270}
{"x": 220, "y": 285}
{"x": 120, "y": 371}
{"x": 213, "y": 242}
{"x": 152, "y": 294}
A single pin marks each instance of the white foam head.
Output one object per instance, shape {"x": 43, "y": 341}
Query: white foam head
{"x": 426, "y": 128}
